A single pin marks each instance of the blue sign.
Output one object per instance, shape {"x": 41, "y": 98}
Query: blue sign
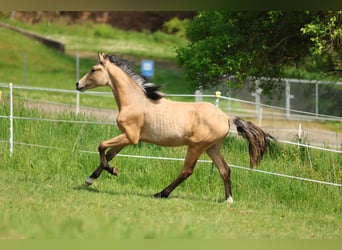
{"x": 147, "y": 68}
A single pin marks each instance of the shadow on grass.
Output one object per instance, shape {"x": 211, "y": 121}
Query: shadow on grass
{"x": 144, "y": 195}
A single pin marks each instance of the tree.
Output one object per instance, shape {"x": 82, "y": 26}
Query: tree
{"x": 325, "y": 31}
{"x": 258, "y": 44}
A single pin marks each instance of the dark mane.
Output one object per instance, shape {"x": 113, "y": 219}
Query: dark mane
{"x": 151, "y": 90}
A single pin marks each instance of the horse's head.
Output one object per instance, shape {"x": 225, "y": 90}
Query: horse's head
{"x": 96, "y": 77}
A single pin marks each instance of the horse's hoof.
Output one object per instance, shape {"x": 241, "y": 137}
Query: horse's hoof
{"x": 88, "y": 181}
{"x": 115, "y": 171}
{"x": 230, "y": 200}
{"x": 159, "y": 195}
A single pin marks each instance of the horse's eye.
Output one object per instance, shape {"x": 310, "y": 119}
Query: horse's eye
{"x": 92, "y": 70}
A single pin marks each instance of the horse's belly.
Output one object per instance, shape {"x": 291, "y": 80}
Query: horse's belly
{"x": 165, "y": 130}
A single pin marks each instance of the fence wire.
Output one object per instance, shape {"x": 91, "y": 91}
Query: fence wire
{"x": 113, "y": 123}
{"x": 154, "y": 157}
{"x": 182, "y": 159}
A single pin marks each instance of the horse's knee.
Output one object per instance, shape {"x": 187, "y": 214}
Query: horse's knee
{"x": 187, "y": 172}
{"x": 102, "y": 147}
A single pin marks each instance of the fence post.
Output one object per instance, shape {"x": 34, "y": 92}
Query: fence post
{"x": 11, "y": 119}
{"x": 316, "y": 96}
{"x": 288, "y": 97}
{"x": 218, "y": 95}
{"x": 228, "y": 102}
{"x": 300, "y": 134}
{"x": 25, "y": 67}
{"x": 198, "y": 95}
{"x": 257, "y": 95}
{"x": 260, "y": 117}
{"x": 77, "y": 78}
{"x": 77, "y": 102}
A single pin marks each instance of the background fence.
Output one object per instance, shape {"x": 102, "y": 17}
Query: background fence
{"x": 284, "y": 125}
{"x": 296, "y": 96}
{"x": 72, "y": 101}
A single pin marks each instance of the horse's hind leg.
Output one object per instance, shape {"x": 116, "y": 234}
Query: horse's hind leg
{"x": 188, "y": 168}
{"x": 223, "y": 168}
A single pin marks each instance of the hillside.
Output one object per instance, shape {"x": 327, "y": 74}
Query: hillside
{"x": 126, "y": 20}
{"x": 26, "y": 61}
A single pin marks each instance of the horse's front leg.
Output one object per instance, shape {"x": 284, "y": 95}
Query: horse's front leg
{"x": 112, "y": 170}
{"x": 115, "y": 144}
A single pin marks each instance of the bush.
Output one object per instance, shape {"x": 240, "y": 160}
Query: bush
{"x": 104, "y": 31}
{"x": 176, "y": 26}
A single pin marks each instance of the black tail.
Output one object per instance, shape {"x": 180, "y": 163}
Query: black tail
{"x": 257, "y": 139}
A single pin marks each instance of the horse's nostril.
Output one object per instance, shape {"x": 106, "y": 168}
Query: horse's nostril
{"x": 79, "y": 87}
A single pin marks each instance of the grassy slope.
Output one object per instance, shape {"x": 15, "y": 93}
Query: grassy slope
{"x": 45, "y": 67}
{"x": 89, "y": 37}
{"x": 48, "y": 68}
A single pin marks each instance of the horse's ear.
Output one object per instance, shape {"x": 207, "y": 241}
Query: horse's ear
{"x": 100, "y": 55}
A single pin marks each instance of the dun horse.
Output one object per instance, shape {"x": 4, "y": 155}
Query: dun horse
{"x": 145, "y": 115}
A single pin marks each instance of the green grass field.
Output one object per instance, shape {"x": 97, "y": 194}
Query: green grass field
{"x": 43, "y": 196}
{"x": 42, "y": 193}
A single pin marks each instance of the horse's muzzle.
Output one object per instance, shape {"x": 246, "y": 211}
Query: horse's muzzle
{"x": 79, "y": 88}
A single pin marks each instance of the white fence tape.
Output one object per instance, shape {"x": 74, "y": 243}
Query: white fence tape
{"x": 111, "y": 123}
{"x": 11, "y": 142}
{"x": 182, "y": 159}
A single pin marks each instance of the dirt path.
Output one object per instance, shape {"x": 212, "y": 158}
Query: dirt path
{"x": 102, "y": 115}
{"x": 313, "y": 132}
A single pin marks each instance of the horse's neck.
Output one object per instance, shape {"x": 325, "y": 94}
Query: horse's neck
{"x": 125, "y": 90}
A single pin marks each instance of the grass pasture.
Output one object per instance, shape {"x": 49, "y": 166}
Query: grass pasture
{"x": 43, "y": 196}
{"x": 91, "y": 37}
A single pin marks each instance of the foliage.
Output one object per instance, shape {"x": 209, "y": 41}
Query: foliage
{"x": 176, "y": 26}
{"x": 257, "y": 44}
{"x": 330, "y": 99}
{"x": 325, "y": 30}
